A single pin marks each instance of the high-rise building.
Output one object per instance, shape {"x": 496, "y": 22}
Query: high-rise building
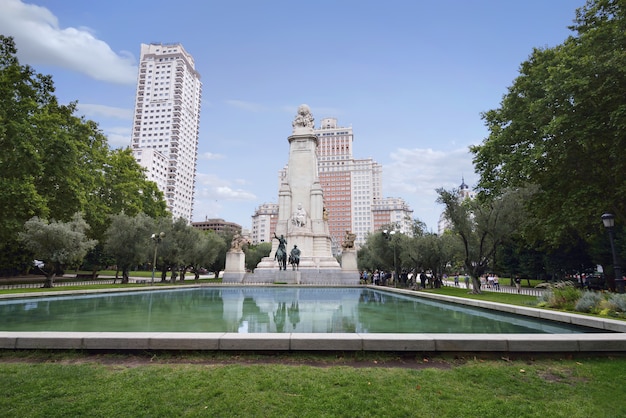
{"x": 264, "y": 223}
{"x": 351, "y": 186}
{"x": 395, "y": 213}
{"x": 166, "y": 123}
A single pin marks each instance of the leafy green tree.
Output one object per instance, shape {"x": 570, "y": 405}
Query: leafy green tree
{"x": 127, "y": 240}
{"x": 172, "y": 249}
{"x": 482, "y": 226}
{"x": 254, "y": 254}
{"x": 56, "y": 244}
{"x": 55, "y": 164}
{"x": 562, "y": 127}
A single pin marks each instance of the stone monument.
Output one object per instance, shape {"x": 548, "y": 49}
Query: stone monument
{"x": 301, "y": 216}
{"x": 235, "y": 269}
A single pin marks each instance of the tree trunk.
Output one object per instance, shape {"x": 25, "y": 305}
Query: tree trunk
{"x": 476, "y": 285}
{"x": 49, "y": 283}
{"x": 125, "y": 279}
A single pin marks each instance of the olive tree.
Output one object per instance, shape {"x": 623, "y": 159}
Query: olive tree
{"x": 483, "y": 225}
{"x": 56, "y": 244}
{"x": 128, "y": 241}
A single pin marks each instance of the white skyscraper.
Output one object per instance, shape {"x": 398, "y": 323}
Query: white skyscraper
{"x": 166, "y": 123}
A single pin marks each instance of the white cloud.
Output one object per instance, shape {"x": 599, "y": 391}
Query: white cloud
{"x": 119, "y": 137}
{"x": 210, "y": 156}
{"x": 96, "y": 110}
{"x": 209, "y": 186}
{"x": 41, "y": 40}
{"x": 414, "y": 174}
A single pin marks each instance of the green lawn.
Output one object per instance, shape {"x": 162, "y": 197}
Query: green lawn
{"x": 242, "y": 385}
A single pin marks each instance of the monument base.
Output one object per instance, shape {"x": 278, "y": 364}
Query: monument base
{"x": 348, "y": 260}
{"x": 235, "y": 269}
{"x": 303, "y": 276}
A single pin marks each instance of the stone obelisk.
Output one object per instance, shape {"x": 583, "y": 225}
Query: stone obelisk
{"x": 301, "y": 218}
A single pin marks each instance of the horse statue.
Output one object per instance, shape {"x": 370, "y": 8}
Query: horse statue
{"x": 281, "y": 257}
{"x": 294, "y": 258}
{"x": 281, "y": 252}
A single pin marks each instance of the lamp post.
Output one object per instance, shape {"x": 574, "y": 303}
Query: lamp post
{"x": 389, "y": 235}
{"x": 157, "y": 238}
{"x": 609, "y": 223}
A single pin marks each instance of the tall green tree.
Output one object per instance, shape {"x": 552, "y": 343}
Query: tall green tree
{"x": 55, "y": 164}
{"x": 483, "y": 225}
{"x": 127, "y": 240}
{"x": 56, "y": 244}
{"x": 562, "y": 127}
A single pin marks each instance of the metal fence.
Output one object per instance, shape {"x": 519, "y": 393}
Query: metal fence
{"x": 501, "y": 289}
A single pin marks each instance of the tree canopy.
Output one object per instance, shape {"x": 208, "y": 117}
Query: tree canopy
{"x": 54, "y": 164}
{"x": 56, "y": 244}
{"x": 562, "y": 127}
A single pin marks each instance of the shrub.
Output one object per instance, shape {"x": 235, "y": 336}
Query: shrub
{"x": 618, "y": 302}
{"x": 589, "y": 302}
{"x": 562, "y": 295}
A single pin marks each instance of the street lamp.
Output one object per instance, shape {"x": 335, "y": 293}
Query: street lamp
{"x": 609, "y": 223}
{"x": 157, "y": 238}
{"x": 389, "y": 236}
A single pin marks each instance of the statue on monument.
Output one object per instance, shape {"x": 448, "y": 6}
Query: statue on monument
{"x": 237, "y": 243}
{"x": 281, "y": 252}
{"x": 294, "y": 257}
{"x": 299, "y": 217}
{"x": 304, "y": 118}
{"x": 348, "y": 240}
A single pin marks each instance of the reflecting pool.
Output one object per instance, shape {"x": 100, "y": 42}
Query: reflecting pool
{"x": 262, "y": 309}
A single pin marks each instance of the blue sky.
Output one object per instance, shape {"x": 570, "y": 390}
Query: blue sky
{"x": 411, "y": 77}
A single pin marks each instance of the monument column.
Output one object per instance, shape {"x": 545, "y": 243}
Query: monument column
{"x": 301, "y": 215}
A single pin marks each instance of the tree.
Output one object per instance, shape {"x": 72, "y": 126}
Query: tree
{"x": 128, "y": 241}
{"x": 254, "y": 254}
{"x": 56, "y": 244}
{"x": 482, "y": 226}
{"x": 55, "y": 164}
{"x": 562, "y": 127}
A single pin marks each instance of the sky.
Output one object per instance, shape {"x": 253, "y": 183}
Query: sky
{"x": 411, "y": 77}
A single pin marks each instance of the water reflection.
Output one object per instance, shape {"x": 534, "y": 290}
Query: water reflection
{"x": 259, "y": 309}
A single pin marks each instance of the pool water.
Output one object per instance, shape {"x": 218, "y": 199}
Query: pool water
{"x": 263, "y": 310}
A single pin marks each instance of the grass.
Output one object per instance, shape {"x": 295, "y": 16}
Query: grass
{"x": 510, "y": 298}
{"x": 59, "y": 384}
{"x": 74, "y": 384}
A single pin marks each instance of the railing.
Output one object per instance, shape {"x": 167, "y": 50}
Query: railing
{"x": 501, "y": 289}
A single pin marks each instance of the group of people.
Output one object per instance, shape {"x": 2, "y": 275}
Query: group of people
{"x": 420, "y": 280}
{"x": 490, "y": 281}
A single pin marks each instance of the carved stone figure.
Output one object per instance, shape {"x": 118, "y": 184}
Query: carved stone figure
{"x": 348, "y": 240}
{"x": 304, "y": 118}
{"x": 299, "y": 217}
{"x": 237, "y": 243}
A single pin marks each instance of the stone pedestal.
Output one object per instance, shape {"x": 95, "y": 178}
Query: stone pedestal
{"x": 235, "y": 269}
{"x": 348, "y": 260}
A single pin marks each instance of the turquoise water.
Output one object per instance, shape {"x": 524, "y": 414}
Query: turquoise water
{"x": 262, "y": 309}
